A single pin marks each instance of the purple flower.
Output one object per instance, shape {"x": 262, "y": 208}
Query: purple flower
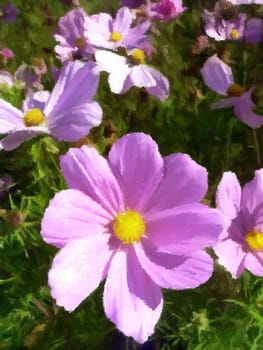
{"x": 135, "y": 221}
{"x": 68, "y": 113}
{"x": 70, "y": 35}
{"x": 241, "y": 246}
{"x": 219, "y": 77}
{"x": 104, "y": 32}
{"x": 254, "y": 30}
{"x": 132, "y": 71}
{"x": 166, "y": 10}
{"x": 8, "y": 13}
{"x": 224, "y": 23}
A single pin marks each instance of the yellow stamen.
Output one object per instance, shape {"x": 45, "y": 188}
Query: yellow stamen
{"x": 115, "y": 36}
{"x": 129, "y": 226}
{"x": 34, "y": 117}
{"x": 234, "y": 34}
{"x": 80, "y": 43}
{"x": 235, "y": 90}
{"x": 138, "y": 56}
{"x": 254, "y": 239}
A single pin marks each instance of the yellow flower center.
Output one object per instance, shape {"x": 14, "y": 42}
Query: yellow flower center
{"x": 115, "y": 36}
{"x": 80, "y": 43}
{"x": 254, "y": 239}
{"x": 234, "y": 34}
{"x": 34, "y": 117}
{"x": 235, "y": 90}
{"x": 138, "y": 56}
{"x": 129, "y": 226}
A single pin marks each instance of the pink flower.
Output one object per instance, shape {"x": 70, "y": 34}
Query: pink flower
{"x": 134, "y": 220}
{"x": 166, "y": 10}
{"x": 241, "y": 246}
{"x": 6, "y": 53}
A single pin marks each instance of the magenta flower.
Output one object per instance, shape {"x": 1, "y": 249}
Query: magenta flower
{"x": 104, "y": 32}
{"x": 165, "y": 10}
{"x": 241, "y": 246}
{"x": 219, "y": 77}
{"x": 6, "y": 54}
{"x": 68, "y": 113}
{"x": 131, "y": 3}
{"x": 71, "y": 37}
{"x": 132, "y": 71}
{"x": 135, "y": 221}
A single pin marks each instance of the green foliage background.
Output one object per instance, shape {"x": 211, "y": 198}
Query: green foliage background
{"x": 222, "y": 314}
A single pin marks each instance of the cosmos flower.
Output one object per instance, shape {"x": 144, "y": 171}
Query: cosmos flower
{"x": 6, "y": 54}
{"x": 219, "y": 77}
{"x": 68, "y": 113}
{"x": 224, "y": 23}
{"x": 241, "y": 245}
{"x": 71, "y": 37}
{"x": 132, "y": 71}
{"x": 134, "y": 220}
{"x": 104, "y": 32}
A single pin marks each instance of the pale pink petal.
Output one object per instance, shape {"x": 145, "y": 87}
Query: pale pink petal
{"x": 138, "y": 166}
{"x": 84, "y": 169}
{"x": 231, "y": 256}
{"x": 228, "y": 196}
{"x": 71, "y": 214}
{"x": 184, "y": 182}
{"x": 174, "y": 271}
{"x": 131, "y": 300}
{"x": 116, "y": 66}
{"x": 184, "y": 229}
{"x": 76, "y": 270}
{"x": 254, "y": 263}
{"x": 141, "y": 76}
{"x": 11, "y": 118}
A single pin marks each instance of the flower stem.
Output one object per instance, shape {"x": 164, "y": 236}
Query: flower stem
{"x": 257, "y": 150}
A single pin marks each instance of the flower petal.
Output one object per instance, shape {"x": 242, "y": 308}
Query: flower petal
{"x": 11, "y": 118}
{"x": 244, "y": 111}
{"x": 66, "y": 96}
{"x": 184, "y": 229}
{"x": 251, "y": 202}
{"x": 116, "y": 66}
{"x": 184, "y": 182}
{"x": 16, "y": 138}
{"x": 84, "y": 169}
{"x": 138, "y": 166}
{"x": 228, "y": 196}
{"x": 231, "y": 256}
{"x": 161, "y": 86}
{"x": 77, "y": 271}
{"x": 171, "y": 271}
{"x": 71, "y": 214}
{"x": 217, "y": 75}
{"x": 131, "y": 300}
{"x": 254, "y": 263}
